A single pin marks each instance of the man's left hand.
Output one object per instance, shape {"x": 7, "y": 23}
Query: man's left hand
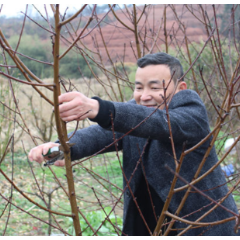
{"x": 76, "y": 106}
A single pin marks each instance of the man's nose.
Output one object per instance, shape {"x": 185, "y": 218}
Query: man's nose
{"x": 146, "y": 95}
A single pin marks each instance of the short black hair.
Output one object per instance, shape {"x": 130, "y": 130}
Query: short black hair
{"x": 173, "y": 63}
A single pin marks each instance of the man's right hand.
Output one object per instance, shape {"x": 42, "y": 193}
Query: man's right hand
{"x": 36, "y": 154}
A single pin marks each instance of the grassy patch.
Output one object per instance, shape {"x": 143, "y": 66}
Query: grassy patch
{"x": 20, "y": 223}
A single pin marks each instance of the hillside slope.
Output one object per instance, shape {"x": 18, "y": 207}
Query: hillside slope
{"x": 120, "y": 41}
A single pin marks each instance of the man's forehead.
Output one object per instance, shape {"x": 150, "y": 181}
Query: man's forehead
{"x": 152, "y": 74}
{"x": 153, "y": 70}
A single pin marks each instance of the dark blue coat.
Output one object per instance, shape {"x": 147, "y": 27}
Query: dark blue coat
{"x": 189, "y": 123}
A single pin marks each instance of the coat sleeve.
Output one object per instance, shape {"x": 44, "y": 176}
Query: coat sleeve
{"x": 187, "y": 113}
{"x": 91, "y": 140}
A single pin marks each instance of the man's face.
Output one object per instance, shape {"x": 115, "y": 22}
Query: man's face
{"x": 149, "y": 85}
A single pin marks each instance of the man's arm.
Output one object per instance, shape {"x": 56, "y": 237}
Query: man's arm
{"x": 88, "y": 141}
{"x": 187, "y": 113}
{"x": 91, "y": 140}
{"x": 187, "y": 116}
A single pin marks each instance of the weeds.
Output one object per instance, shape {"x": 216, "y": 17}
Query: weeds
{"x": 47, "y": 182}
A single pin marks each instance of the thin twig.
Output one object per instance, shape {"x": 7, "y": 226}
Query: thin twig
{"x": 79, "y": 36}
{"x": 34, "y": 216}
{"x": 73, "y": 16}
{"x": 25, "y": 82}
{"x": 29, "y": 199}
{"x": 39, "y": 24}
{"x": 36, "y": 60}
{"x": 107, "y": 218}
{"x": 136, "y": 31}
{"x": 119, "y": 20}
{"x": 49, "y": 24}
{"x": 8, "y": 66}
{"x": 24, "y": 20}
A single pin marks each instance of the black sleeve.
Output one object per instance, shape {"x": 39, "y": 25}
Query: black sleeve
{"x": 105, "y": 113}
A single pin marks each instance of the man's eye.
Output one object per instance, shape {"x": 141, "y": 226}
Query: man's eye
{"x": 154, "y": 88}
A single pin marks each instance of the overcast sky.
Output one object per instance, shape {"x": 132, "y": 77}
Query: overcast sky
{"x": 14, "y": 9}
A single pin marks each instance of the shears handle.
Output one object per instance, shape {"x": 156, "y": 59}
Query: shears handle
{"x": 52, "y": 155}
{"x": 52, "y": 152}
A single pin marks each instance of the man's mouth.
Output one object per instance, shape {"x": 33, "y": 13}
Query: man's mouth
{"x": 153, "y": 106}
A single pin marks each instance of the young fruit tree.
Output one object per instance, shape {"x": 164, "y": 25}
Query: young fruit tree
{"x": 120, "y": 120}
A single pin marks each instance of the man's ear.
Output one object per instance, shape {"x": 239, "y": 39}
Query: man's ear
{"x": 182, "y": 86}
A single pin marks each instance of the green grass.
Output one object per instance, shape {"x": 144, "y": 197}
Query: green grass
{"x": 22, "y": 224}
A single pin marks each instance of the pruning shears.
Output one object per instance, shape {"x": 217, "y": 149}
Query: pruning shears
{"x": 55, "y": 153}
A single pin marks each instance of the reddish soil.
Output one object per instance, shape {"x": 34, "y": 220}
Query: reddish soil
{"x": 120, "y": 41}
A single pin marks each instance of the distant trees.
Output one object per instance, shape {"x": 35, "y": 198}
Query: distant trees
{"x": 34, "y": 47}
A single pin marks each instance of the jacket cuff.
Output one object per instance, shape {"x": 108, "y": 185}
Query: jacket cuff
{"x": 105, "y": 114}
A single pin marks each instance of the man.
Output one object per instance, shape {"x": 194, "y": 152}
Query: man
{"x": 151, "y": 139}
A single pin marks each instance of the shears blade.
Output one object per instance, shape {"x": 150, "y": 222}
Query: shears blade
{"x": 55, "y": 153}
